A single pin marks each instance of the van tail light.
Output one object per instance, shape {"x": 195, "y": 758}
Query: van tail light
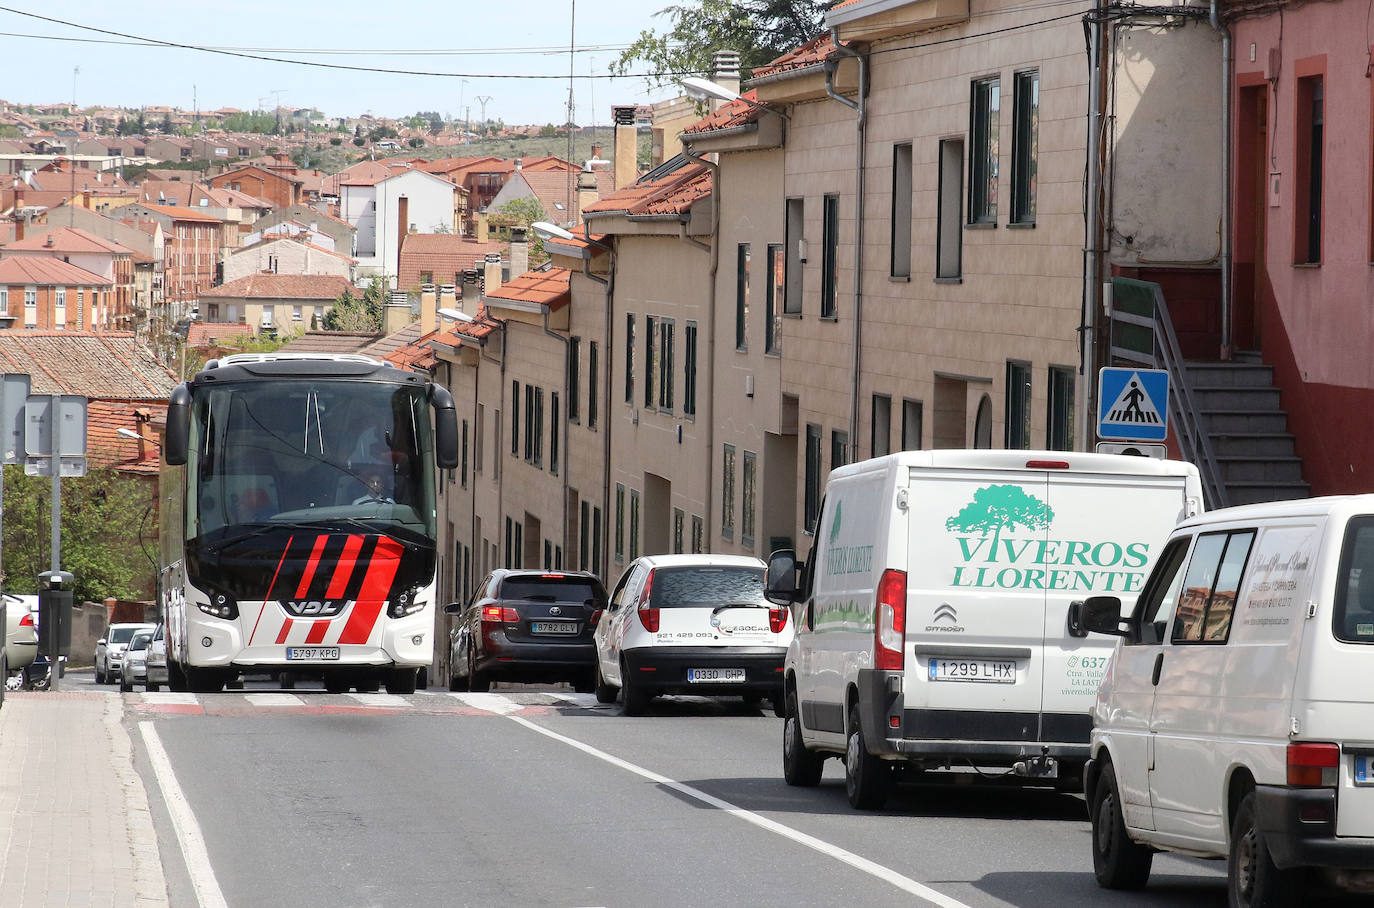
{"x": 889, "y": 634}
{"x": 595, "y": 619}
{"x": 648, "y": 616}
{"x": 1313, "y": 765}
{"x": 496, "y": 614}
{"x": 26, "y": 621}
{"x": 777, "y": 619}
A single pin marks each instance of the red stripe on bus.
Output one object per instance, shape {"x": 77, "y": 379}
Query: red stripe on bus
{"x": 317, "y": 631}
{"x": 343, "y": 568}
{"x": 268, "y": 597}
{"x": 381, "y": 570}
{"x": 314, "y": 562}
{"x": 285, "y": 629}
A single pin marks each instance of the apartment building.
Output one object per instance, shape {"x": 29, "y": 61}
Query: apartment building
{"x": 191, "y": 247}
{"x": 95, "y": 254}
{"x": 49, "y": 294}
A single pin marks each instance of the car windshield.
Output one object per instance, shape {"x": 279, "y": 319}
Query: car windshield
{"x": 122, "y": 634}
{"x": 706, "y": 587}
{"x": 553, "y": 589}
{"x": 1353, "y": 618}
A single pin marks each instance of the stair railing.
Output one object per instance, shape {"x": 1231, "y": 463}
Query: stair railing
{"x": 1193, "y": 440}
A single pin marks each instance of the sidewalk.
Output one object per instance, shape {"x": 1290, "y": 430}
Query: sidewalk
{"x": 75, "y": 829}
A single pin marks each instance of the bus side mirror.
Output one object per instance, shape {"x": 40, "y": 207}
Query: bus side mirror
{"x": 1102, "y": 615}
{"x": 445, "y": 427}
{"x": 178, "y": 437}
{"x": 780, "y": 583}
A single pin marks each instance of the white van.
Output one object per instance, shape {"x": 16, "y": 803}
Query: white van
{"x": 1236, "y": 719}
{"x": 937, "y": 612}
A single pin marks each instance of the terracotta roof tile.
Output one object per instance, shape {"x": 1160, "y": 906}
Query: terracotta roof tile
{"x": 736, "y": 113}
{"x": 443, "y": 255}
{"x": 671, "y": 193}
{"x": 809, "y": 54}
{"x": 283, "y": 286}
{"x": 209, "y": 334}
{"x": 545, "y": 288}
{"x": 108, "y": 364}
{"x": 39, "y": 269}
{"x": 178, "y": 213}
{"x": 330, "y": 342}
{"x": 67, "y": 239}
{"x": 105, "y": 447}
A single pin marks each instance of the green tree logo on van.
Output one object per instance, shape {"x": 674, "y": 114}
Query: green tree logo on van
{"x": 835, "y": 524}
{"x": 997, "y": 508}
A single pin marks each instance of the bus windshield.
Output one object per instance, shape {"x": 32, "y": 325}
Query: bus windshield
{"x": 317, "y": 451}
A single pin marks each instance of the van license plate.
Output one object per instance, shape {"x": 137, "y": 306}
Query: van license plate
{"x": 715, "y": 675}
{"x": 1364, "y": 770}
{"x": 311, "y": 653}
{"x": 985, "y": 670}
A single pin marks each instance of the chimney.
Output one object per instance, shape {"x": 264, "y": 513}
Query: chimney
{"x": 519, "y": 163}
{"x": 19, "y": 222}
{"x": 48, "y": 242}
{"x": 428, "y": 305}
{"x": 596, "y": 152}
{"x": 482, "y": 232}
{"x": 519, "y": 252}
{"x": 397, "y": 313}
{"x": 402, "y": 219}
{"x": 626, "y": 150}
{"x": 586, "y": 191}
{"x": 448, "y": 297}
{"x": 491, "y": 273}
{"x": 725, "y": 73}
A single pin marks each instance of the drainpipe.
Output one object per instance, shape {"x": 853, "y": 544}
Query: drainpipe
{"x": 567, "y": 346}
{"x": 710, "y": 327}
{"x": 859, "y": 107}
{"x": 1092, "y": 248}
{"x": 608, "y": 284}
{"x": 1226, "y": 67}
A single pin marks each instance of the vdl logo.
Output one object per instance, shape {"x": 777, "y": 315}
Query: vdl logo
{"x": 315, "y": 608}
{"x": 945, "y": 612}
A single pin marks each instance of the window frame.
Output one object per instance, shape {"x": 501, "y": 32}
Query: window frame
{"x": 1019, "y": 398}
{"x": 985, "y": 110}
{"x": 900, "y": 214}
{"x": 1059, "y": 408}
{"x": 949, "y": 216}
{"x": 830, "y": 254}
{"x": 689, "y": 368}
{"x": 794, "y": 217}
{"x": 743, "y": 259}
{"x": 727, "y": 492}
{"x": 884, "y": 424}
{"x": 1025, "y": 146}
{"x": 574, "y": 379}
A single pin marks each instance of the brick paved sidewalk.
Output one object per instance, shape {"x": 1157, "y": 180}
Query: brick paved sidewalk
{"x": 74, "y": 822}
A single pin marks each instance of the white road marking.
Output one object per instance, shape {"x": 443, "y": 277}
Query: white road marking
{"x": 390, "y": 700}
{"x": 172, "y": 698}
{"x": 274, "y": 699}
{"x": 492, "y": 703}
{"x": 188, "y": 834}
{"x": 886, "y": 874}
{"x": 586, "y": 701}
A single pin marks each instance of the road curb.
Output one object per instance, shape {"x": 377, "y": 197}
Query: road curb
{"x": 150, "y": 887}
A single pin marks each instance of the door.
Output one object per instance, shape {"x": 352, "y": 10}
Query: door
{"x": 1252, "y": 208}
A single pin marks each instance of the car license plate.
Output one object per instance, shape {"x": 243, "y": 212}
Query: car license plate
{"x": 985, "y": 670}
{"x": 1364, "y": 770}
{"x": 554, "y": 627}
{"x": 715, "y": 675}
{"x": 311, "y": 653}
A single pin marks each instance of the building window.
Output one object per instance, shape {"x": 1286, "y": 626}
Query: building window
{"x": 629, "y": 358}
{"x": 742, "y": 258}
{"x": 727, "y": 494}
{"x": 689, "y": 371}
{"x": 1059, "y": 421}
{"x": 665, "y": 365}
{"x": 777, "y": 288}
{"x": 1307, "y": 227}
{"x": 1018, "y": 405}
{"x": 1025, "y": 140}
{"x": 650, "y": 359}
{"x": 619, "y": 522}
{"x": 901, "y": 210}
{"x": 553, "y": 432}
{"x": 912, "y": 416}
{"x": 536, "y": 426}
{"x": 634, "y": 524}
{"x": 949, "y": 236}
{"x": 830, "y": 268}
{"x": 529, "y": 424}
{"x": 839, "y": 448}
{"x": 60, "y": 317}
{"x": 813, "y": 475}
{"x": 796, "y": 256}
{"x": 477, "y": 438}
{"x": 574, "y": 379}
{"x": 983, "y": 133}
{"x": 296, "y": 314}
{"x": 679, "y": 521}
{"x": 515, "y": 419}
{"x": 31, "y": 307}
{"x": 746, "y": 521}
{"x": 584, "y": 538}
{"x": 463, "y": 472}
{"x": 80, "y": 307}
{"x": 496, "y": 445}
{"x": 595, "y": 566}
{"x": 548, "y": 555}
{"x": 698, "y": 535}
{"x": 510, "y": 542}
{"x": 5, "y": 300}
{"x": 882, "y": 426}
{"x": 593, "y": 384}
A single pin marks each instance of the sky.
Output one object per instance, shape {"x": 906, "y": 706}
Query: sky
{"x": 51, "y": 63}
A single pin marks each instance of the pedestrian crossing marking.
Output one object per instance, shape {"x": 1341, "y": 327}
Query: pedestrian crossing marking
{"x": 171, "y": 698}
{"x": 388, "y": 700}
{"x": 274, "y": 699}
{"x": 492, "y": 703}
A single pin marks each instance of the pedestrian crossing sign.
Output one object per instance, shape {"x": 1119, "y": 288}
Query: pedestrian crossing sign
{"x": 1133, "y": 404}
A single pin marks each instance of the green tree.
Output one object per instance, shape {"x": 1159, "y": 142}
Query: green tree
{"x": 167, "y": 124}
{"x": 522, "y": 213}
{"x": 997, "y": 508}
{"x": 436, "y": 124}
{"x": 761, "y": 30}
{"x": 353, "y": 313}
{"x": 416, "y": 142}
{"x": 109, "y": 533}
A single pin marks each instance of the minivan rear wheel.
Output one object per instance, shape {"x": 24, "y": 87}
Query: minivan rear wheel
{"x": 800, "y": 767}
{"x": 1118, "y": 862}
{"x": 1253, "y": 880}
{"x": 867, "y": 780}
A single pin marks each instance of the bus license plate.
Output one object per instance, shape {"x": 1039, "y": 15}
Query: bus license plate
{"x": 1364, "y": 770}
{"x": 311, "y": 653}
{"x": 715, "y": 675}
{"x": 984, "y": 670}
{"x": 554, "y": 627}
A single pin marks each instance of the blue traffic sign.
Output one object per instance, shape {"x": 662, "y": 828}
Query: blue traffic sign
{"x": 1133, "y": 404}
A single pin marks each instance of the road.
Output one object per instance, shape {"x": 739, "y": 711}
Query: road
{"x": 543, "y": 797}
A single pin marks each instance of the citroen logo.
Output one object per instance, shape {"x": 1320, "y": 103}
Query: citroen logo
{"x": 555, "y": 610}
{"x": 946, "y": 611}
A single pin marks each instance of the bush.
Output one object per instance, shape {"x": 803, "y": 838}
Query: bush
{"x": 336, "y": 141}
{"x": 360, "y": 141}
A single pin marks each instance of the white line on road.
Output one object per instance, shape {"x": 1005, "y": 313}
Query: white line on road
{"x": 492, "y": 703}
{"x": 274, "y": 699}
{"x": 188, "y": 834}
{"x": 388, "y": 700}
{"x": 872, "y": 868}
{"x": 171, "y": 697}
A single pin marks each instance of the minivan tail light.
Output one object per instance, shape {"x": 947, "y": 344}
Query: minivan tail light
{"x": 777, "y": 619}
{"x": 595, "y": 619}
{"x": 889, "y": 632}
{"x": 498, "y": 613}
{"x": 1313, "y": 765}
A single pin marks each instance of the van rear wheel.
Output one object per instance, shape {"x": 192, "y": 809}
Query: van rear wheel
{"x": 1118, "y": 862}
{"x": 800, "y": 767}
{"x": 867, "y": 780}
{"x": 605, "y": 693}
{"x": 1253, "y": 880}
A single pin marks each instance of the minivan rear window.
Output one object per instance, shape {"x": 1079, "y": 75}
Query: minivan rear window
{"x": 553, "y": 589}
{"x": 706, "y": 587}
{"x": 1353, "y": 619}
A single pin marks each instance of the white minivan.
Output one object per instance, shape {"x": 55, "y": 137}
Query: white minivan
{"x": 937, "y": 615}
{"x": 1236, "y": 720}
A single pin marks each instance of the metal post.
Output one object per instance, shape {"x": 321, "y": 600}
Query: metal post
{"x": 55, "y": 464}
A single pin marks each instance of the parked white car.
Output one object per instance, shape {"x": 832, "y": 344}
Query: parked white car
{"x": 109, "y": 650}
{"x": 21, "y": 635}
{"x": 694, "y": 624}
{"x": 1235, "y": 720}
{"x": 156, "y": 674}
{"x": 134, "y": 668}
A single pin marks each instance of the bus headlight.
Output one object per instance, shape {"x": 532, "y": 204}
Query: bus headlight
{"x": 406, "y": 604}
{"x": 221, "y": 605}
